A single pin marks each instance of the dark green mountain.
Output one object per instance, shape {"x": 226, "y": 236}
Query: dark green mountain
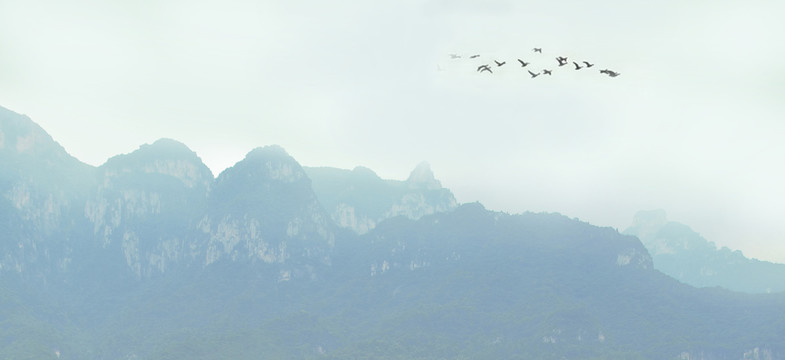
{"x": 155, "y": 259}
{"x": 682, "y": 253}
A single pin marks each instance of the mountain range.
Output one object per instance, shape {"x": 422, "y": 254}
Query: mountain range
{"x": 149, "y": 256}
{"x": 682, "y": 253}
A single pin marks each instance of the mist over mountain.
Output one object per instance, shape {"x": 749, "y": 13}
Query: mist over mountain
{"x": 682, "y": 253}
{"x": 44, "y": 191}
{"x": 149, "y": 257}
{"x": 359, "y": 199}
{"x": 146, "y": 206}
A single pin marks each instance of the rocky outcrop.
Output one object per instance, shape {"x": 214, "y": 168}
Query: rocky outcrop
{"x": 147, "y": 204}
{"x": 359, "y": 199}
{"x": 263, "y": 210}
{"x": 42, "y": 192}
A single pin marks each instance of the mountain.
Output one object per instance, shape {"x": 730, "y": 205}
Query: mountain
{"x": 682, "y": 253}
{"x": 473, "y": 283}
{"x": 149, "y": 257}
{"x": 146, "y": 205}
{"x": 359, "y": 199}
{"x": 264, "y": 210}
{"x": 470, "y": 283}
{"x": 43, "y": 190}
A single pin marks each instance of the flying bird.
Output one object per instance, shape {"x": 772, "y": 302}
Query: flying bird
{"x": 523, "y": 63}
{"x": 499, "y": 63}
{"x": 546, "y": 71}
{"x": 562, "y": 60}
{"x": 587, "y": 64}
{"x": 455, "y": 56}
{"x": 539, "y": 50}
{"x": 610, "y": 73}
{"x": 577, "y": 67}
{"x": 474, "y": 56}
{"x": 533, "y": 74}
{"x": 485, "y": 67}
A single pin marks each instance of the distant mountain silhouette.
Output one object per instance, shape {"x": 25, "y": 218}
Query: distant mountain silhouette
{"x": 682, "y": 253}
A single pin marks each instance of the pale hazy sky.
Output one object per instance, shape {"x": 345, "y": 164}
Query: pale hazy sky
{"x": 694, "y": 125}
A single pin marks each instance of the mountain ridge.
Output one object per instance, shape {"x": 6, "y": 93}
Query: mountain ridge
{"x": 684, "y": 254}
{"x": 153, "y": 261}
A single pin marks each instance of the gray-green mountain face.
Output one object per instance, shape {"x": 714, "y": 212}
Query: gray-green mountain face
{"x": 150, "y": 257}
{"x": 682, "y": 253}
{"x": 359, "y": 199}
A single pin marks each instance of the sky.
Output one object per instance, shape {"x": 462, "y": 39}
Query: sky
{"x": 693, "y": 125}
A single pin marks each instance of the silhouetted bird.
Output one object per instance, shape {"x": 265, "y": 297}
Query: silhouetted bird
{"x": 533, "y": 74}
{"x": 562, "y": 60}
{"x": 499, "y": 63}
{"x": 587, "y": 64}
{"x": 454, "y": 56}
{"x": 482, "y": 68}
{"x": 473, "y": 56}
{"x": 577, "y": 67}
{"x": 523, "y": 63}
{"x": 539, "y": 50}
{"x": 546, "y": 71}
{"x": 610, "y": 73}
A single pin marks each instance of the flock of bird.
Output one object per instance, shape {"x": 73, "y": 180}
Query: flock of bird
{"x": 561, "y": 61}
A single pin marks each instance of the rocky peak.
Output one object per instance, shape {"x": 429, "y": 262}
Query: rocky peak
{"x": 647, "y": 223}
{"x": 268, "y": 178}
{"x": 28, "y": 150}
{"x": 271, "y": 163}
{"x": 38, "y": 177}
{"x": 422, "y": 178}
{"x": 166, "y": 157}
{"x": 263, "y": 209}
{"x": 359, "y": 199}
{"x": 20, "y": 135}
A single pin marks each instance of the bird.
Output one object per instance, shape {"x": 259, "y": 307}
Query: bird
{"x": 499, "y": 63}
{"x": 533, "y": 74}
{"x": 455, "y": 56}
{"x": 587, "y": 64}
{"x": 474, "y": 56}
{"x": 523, "y": 63}
{"x": 485, "y": 67}
{"x": 547, "y": 72}
{"x": 610, "y": 73}
{"x": 562, "y": 60}
{"x": 577, "y": 67}
{"x": 539, "y": 50}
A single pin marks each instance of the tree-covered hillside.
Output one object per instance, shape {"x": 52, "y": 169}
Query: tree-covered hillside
{"x": 150, "y": 257}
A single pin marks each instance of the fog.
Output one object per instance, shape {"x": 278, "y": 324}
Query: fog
{"x": 693, "y": 124}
